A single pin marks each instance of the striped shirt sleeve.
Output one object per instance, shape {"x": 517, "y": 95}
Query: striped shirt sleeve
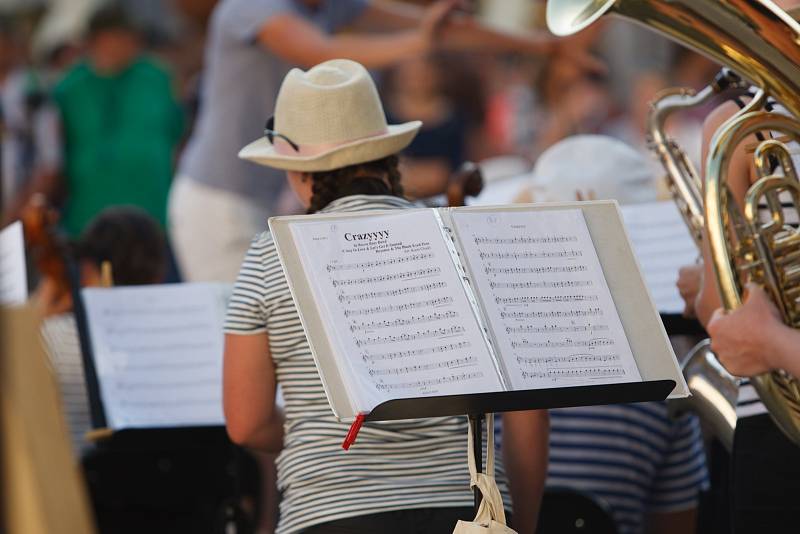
{"x": 683, "y": 473}
{"x": 247, "y": 310}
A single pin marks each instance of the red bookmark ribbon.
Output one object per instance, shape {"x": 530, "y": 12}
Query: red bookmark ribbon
{"x": 353, "y": 432}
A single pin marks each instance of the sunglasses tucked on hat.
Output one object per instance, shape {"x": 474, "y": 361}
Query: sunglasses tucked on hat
{"x": 594, "y": 166}
{"x": 326, "y": 118}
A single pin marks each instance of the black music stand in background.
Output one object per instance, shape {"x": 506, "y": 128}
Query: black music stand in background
{"x": 477, "y": 405}
{"x": 176, "y": 460}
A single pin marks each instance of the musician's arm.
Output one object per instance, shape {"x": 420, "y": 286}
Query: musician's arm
{"x": 249, "y": 385}
{"x": 298, "y": 41}
{"x": 525, "y": 446}
{"x": 459, "y": 32}
{"x": 739, "y": 171}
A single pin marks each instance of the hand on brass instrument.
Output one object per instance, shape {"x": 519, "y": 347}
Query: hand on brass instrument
{"x": 690, "y": 277}
{"x": 742, "y": 338}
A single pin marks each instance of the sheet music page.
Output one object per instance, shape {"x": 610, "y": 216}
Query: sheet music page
{"x": 158, "y": 353}
{"x": 545, "y": 297}
{"x": 13, "y": 275}
{"x": 394, "y": 307}
{"x": 662, "y": 245}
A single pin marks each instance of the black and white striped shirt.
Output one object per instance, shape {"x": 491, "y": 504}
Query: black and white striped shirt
{"x": 393, "y": 466}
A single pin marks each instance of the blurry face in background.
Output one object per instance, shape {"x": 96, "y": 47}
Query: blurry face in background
{"x": 111, "y": 51}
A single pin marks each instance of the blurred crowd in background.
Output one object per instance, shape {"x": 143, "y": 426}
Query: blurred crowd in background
{"x": 106, "y": 104}
{"x": 112, "y": 96}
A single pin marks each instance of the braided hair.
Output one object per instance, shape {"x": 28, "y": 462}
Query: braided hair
{"x": 378, "y": 177}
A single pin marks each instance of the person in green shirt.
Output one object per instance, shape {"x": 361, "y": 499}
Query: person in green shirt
{"x": 121, "y": 125}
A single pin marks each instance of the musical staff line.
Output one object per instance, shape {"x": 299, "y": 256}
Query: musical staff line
{"x": 541, "y": 285}
{"x": 556, "y": 329}
{"x": 369, "y": 295}
{"x": 396, "y": 355}
{"x": 571, "y": 253}
{"x": 573, "y": 358}
{"x": 461, "y": 377}
{"x": 441, "y": 301}
{"x": 536, "y": 270}
{"x": 419, "y": 319}
{"x": 419, "y": 334}
{"x": 358, "y": 266}
{"x": 546, "y": 299}
{"x": 449, "y": 364}
{"x": 409, "y": 275}
{"x": 552, "y": 239}
{"x": 567, "y": 343}
{"x": 590, "y": 312}
{"x": 577, "y": 372}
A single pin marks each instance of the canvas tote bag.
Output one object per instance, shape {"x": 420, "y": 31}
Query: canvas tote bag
{"x": 491, "y": 518}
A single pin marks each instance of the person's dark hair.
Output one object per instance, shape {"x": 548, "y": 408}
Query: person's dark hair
{"x": 378, "y": 177}
{"x": 131, "y": 240}
{"x": 108, "y": 18}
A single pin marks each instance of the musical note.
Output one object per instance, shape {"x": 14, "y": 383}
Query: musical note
{"x": 541, "y": 285}
{"x": 572, "y": 358}
{"x": 543, "y": 255}
{"x": 419, "y": 319}
{"x": 576, "y": 372}
{"x": 431, "y": 303}
{"x": 525, "y": 240}
{"x": 590, "y": 312}
{"x": 567, "y": 343}
{"x": 556, "y": 329}
{"x": 461, "y": 377}
{"x": 416, "y": 352}
{"x": 546, "y": 299}
{"x": 410, "y": 336}
{"x": 410, "y": 275}
{"x": 360, "y": 266}
{"x": 449, "y": 364}
{"x": 536, "y": 270}
{"x": 369, "y": 295}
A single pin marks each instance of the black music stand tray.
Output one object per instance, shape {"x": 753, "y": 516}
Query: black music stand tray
{"x": 477, "y": 405}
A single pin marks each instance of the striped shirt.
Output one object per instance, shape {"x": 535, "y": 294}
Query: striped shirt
{"x": 60, "y": 334}
{"x": 633, "y": 459}
{"x": 394, "y": 465}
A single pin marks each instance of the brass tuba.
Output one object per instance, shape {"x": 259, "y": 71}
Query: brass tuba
{"x": 682, "y": 178}
{"x": 761, "y": 43}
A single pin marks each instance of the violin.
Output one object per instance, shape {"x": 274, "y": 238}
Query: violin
{"x": 465, "y": 182}
{"x": 48, "y": 250}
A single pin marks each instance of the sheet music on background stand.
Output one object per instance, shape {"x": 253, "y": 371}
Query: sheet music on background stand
{"x": 662, "y": 245}
{"x": 157, "y": 352}
{"x": 13, "y": 275}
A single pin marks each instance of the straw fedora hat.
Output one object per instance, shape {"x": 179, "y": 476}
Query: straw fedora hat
{"x": 327, "y": 118}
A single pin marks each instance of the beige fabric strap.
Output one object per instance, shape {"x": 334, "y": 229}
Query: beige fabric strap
{"x": 491, "y": 507}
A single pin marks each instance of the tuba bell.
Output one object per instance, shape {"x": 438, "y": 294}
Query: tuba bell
{"x": 761, "y": 43}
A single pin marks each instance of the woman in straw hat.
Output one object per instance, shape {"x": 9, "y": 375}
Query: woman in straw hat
{"x": 330, "y": 135}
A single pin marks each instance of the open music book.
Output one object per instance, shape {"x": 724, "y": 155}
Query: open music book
{"x": 663, "y": 245}
{"x": 158, "y": 353}
{"x": 433, "y": 302}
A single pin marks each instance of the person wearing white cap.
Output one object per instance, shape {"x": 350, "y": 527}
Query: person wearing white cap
{"x": 218, "y": 202}
{"x": 331, "y": 137}
{"x": 584, "y": 167}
